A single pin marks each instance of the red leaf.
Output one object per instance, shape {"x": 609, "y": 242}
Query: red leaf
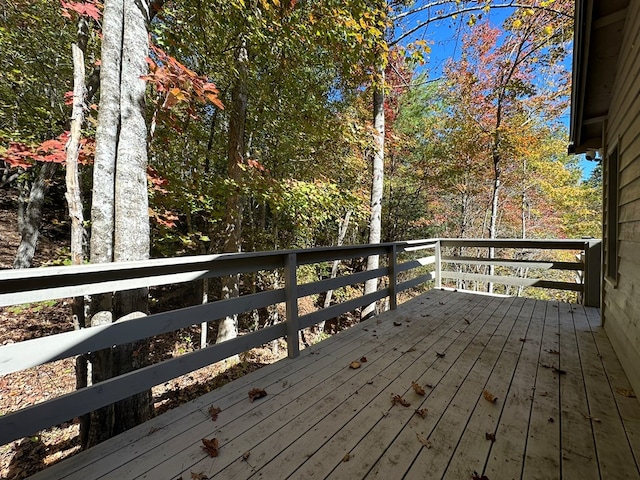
{"x": 84, "y": 9}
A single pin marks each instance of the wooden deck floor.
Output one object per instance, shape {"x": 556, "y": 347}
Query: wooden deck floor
{"x": 562, "y": 408}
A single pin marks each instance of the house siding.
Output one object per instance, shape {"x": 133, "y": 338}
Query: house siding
{"x": 621, "y": 295}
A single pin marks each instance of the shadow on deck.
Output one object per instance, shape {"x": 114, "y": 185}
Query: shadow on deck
{"x": 563, "y": 408}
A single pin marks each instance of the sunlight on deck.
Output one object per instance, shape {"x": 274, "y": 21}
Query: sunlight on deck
{"x": 563, "y": 408}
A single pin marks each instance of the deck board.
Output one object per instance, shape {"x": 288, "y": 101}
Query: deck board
{"x": 321, "y": 419}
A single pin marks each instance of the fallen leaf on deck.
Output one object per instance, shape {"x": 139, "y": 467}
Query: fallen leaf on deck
{"x": 422, "y": 412}
{"x": 475, "y": 476}
{"x": 198, "y": 476}
{"x": 552, "y": 351}
{"x": 489, "y": 397}
{"x": 398, "y": 399}
{"x": 423, "y": 441}
{"x": 397, "y": 324}
{"x": 417, "y": 388}
{"x": 439, "y": 355}
{"x": 589, "y": 417}
{"x": 490, "y": 436}
{"x": 214, "y": 411}
{"x": 246, "y": 454}
{"x": 625, "y": 392}
{"x": 363, "y": 359}
{"x": 346, "y": 458}
{"x": 256, "y": 393}
{"x": 210, "y": 446}
{"x": 354, "y": 365}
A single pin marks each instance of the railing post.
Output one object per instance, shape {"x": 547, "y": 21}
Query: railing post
{"x": 592, "y": 273}
{"x": 393, "y": 280}
{"x": 291, "y": 302}
{"x": 438, "y": 266}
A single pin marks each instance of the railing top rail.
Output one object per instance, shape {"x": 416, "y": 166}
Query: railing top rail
{"x": 551, "y": 244}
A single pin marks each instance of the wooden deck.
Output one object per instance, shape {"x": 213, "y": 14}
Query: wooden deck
{"x": 563, "y": 406}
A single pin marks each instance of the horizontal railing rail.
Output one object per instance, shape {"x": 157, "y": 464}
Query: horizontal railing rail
{"x": 588, "y": 268}
{"x": 408, "y": 264}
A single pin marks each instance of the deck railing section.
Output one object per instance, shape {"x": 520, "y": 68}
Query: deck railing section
{"x": 407, "y": 265}
{"x": 538, "y": 257}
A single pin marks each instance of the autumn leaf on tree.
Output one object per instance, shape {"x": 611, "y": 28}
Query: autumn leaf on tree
{"x": 86, "y": 9}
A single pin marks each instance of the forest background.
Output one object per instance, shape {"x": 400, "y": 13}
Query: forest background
{"x": 248, "y": 125}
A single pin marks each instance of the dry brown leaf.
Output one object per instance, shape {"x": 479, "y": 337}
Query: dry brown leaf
{"x": 422, "y": 412}
{"x": 625, "y": 392}
{"x": 210, "y": 446}
{"x": 417, "y": 388}
{"x": 490, "y": 436}
{"x": 354, "y": 365}
{"x": 246, "y": 454}
{"x": 475, "y": 476}
{"x": 439, "y": 355}
{"x": 363, "y": 359}
{"x": 423, "y": 441}
{"x": 489, "y": 397}
{"x": 398, "y": 399}
{"x": 346, "y": 458}
{"x": 256, "y": 393}
{"x": 198, "y": 476}
{"x": 214, "y": 411}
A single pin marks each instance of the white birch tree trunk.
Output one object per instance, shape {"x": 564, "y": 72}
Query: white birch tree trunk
{"x": 377, "y": 187}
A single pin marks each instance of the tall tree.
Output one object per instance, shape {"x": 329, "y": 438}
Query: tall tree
{"x": 120, "y": 221}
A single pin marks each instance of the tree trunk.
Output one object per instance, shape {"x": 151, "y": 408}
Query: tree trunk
{"x": 377, "y": 185}
{"x": 228, "y": 327}
{"x": 342, "y": 232}
{"x": 493, "y": 222}
{"x": 73, "y": 193}
{"x": 31, "y": 218}
{"x": 120, "y": 221}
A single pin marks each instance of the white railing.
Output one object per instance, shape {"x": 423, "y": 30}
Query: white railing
{"x": 408, "y": 264}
